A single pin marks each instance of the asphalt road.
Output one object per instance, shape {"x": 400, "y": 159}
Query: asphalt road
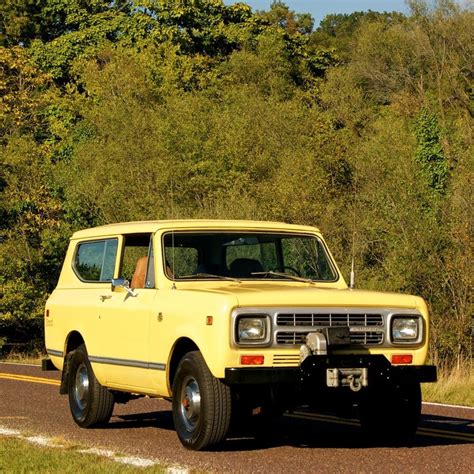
{"x": 301, "y": 442}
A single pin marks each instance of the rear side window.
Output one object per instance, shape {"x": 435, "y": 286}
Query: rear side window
{"x": 95, "y": 261}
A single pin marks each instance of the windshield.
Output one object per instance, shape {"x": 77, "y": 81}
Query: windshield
{"x": 246, "y": 256}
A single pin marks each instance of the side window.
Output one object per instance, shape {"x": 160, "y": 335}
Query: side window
{"x": 95, "y": 261}
{"x": 137, "y": 261}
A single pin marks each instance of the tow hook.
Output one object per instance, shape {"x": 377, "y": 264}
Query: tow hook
{"x": 354, "y": 383}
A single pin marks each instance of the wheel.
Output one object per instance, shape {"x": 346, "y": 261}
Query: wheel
{"x": 91, "y": 404}
{"x": 391, "y": 413}
{"x": 201, "y": 404}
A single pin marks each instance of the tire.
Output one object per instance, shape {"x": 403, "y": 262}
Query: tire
{"x": 201, "y": 404}
{"x": 90, "y": 403}
{"x": 392, "y": 413}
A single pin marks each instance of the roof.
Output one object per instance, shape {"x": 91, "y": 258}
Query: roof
{"x": 188, "y": 224}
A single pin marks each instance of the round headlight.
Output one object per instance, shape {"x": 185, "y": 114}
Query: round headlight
{"x": 405, "y": 329}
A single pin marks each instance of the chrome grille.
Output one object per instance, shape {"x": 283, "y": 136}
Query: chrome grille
{"x": 291, "y": 337}
{"x": 329, "y": 319}
{"x": 369, "y": 338}
{"x": 367, "y": 328}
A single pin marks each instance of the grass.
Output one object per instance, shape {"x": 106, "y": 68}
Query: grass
{"x": 454, "y": 387}
{"x": 33, "y": 357}
{"x": 20, "y": 456}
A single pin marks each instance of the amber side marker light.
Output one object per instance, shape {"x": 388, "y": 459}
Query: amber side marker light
{"x": 252, "y": 360}
{"x": 402, "y": 359}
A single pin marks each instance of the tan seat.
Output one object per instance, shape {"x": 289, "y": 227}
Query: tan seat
{"x": 139, "y": 275}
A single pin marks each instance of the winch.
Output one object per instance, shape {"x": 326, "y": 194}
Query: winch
{"x": 320, "y": 343}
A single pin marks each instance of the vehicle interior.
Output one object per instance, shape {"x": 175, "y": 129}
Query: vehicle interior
{"x": 247, "y": 256}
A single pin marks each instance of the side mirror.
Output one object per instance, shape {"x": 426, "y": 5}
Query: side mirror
{"x": 122, "y": 283}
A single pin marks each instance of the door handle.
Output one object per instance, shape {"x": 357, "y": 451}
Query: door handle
{"x": 105, "y": 297}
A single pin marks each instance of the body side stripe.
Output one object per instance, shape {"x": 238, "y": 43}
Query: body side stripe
{"x": 54, "y": 353}
{"x": 127, "y": 363}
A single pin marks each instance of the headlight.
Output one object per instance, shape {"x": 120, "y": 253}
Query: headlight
{"x": 252, "y": 329}
{"x": 405, "y": 329}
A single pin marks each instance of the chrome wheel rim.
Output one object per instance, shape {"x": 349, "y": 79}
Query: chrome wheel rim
{"x": 81, "y": 387}
{"x": 190, "y": 403}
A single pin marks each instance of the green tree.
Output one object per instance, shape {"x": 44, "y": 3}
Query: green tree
{"x": 113, "y": 111}
{"x": 429, "y": 153}
{"x": 339, "y": 30}
{"x": 22, "y": 21}
{"x": 293, "y": 23}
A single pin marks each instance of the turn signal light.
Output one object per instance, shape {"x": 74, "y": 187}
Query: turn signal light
{"x": 252, "y": 360}
{"x": 402, "y": 359}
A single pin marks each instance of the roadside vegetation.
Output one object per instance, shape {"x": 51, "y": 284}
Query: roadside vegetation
{"x": 31, "y": 357}
{"x": 132, "y": 109}
{"x": 453, "y": 387}
{"x": 18, "y": 455}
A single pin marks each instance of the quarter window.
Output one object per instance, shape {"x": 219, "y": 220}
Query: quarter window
{"x": 95, "y": 261}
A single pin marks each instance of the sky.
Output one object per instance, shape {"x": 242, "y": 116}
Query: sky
{"x": 320, "y": 8}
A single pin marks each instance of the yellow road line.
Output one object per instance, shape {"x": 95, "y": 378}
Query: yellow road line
{"x": 431, "y": 432}
{"x": 21, "y": 376}
{"x": 27, "y": 378}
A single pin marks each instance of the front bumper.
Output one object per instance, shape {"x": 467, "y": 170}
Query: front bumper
{"x": 313, "y": 371}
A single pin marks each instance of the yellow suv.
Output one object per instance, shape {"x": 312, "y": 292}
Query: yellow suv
{"x": 232, "y": 320}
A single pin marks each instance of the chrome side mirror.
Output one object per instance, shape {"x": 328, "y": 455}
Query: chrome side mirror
{"x": 122, "y": 283}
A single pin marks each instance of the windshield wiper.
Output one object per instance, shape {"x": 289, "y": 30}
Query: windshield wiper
{"x": 286, "y": 275}
{"x": 210, "y": 275}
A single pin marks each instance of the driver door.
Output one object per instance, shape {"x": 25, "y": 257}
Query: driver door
{"x": 125, "y": 318}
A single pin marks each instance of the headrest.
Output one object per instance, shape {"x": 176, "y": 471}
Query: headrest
{"x": 244, "y": 267}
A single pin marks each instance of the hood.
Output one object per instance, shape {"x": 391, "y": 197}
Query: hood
{"x": 294, "y": 294}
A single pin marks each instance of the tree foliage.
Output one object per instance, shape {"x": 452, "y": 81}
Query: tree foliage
{"x": 128, "y": 110}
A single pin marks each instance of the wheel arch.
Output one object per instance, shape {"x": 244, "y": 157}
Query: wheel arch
{"x": 73, "y": 340}
{"x": 181, "y": 347}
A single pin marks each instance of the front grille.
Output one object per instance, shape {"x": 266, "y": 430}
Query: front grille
{"x": 367, "y": 328}
{"x": 291, "y": 338}
{"x": 329, "y": 319}
{"x": 368, "y": 338}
